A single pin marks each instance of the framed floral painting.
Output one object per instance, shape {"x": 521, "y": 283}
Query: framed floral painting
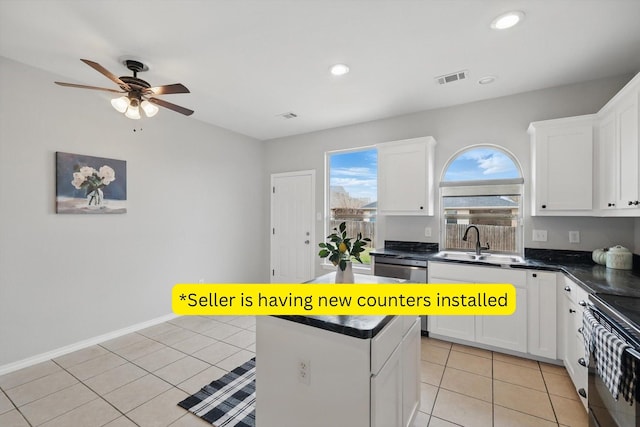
{"x": 90, "y": 185}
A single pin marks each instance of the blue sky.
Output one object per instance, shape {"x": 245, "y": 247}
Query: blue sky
{"x": 481, "y": 163}
{"x": 356, "y": 172}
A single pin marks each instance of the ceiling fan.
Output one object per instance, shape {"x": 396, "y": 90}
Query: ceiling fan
{"x": 139, "y": 93}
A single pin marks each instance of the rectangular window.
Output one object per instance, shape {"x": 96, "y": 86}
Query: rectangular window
{"x": 494, "y": 209}
{"x": 352, "y": 194}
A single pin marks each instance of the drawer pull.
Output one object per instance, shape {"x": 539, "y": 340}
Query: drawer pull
{"x": 582, "y": 362}
{"x": 571, "y": 310}
{"x": 567, "y": 288}
{"x": 582, "y": 303}
{"x": 582, "y": 393}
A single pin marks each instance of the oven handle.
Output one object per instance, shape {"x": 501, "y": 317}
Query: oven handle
{"x": 632, "y": 351}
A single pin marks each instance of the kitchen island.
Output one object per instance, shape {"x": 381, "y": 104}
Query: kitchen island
{"x": 337, "y": 370}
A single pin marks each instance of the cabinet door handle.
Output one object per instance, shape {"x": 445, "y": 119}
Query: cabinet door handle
{"x": 567, "y": 288}
{"x": 582, "y": 393}
{"x": 582, "y": 362}
{"x": 534, "y": 275}
{"x": 571, "y": 310}
{"x": 630, "y": 203}
{"x": 421, "y": 207}
{"x": 580, "y": 329}
{"x": 544, "y": 206}
{"x": 582, "y": 303}
{"x": 611, "y": 204}
{"x": 637, "y": 202}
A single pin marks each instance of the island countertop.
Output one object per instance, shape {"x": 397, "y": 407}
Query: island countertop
{"x": 364, "y": 327}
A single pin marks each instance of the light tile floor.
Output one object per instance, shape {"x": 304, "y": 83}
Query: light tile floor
{"x": 137, "y": 380}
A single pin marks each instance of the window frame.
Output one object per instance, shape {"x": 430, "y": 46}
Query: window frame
{"x": 325, "y": 264}
{"x": 495, "y": 187}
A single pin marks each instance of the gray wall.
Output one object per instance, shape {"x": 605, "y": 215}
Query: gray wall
{"x": 195, "y": 209}
{"x": 501, "y": 121}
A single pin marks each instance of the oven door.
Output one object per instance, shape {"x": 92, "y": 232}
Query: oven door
{"x": 604, "y": 411}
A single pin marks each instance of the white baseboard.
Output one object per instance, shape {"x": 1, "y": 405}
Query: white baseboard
{"x": 43, "y": 357}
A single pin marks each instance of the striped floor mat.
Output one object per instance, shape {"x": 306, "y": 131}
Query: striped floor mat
{"x": 229, "y": 401}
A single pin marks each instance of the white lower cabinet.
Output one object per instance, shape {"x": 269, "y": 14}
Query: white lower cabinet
{"x": 411, "y": 374}
{"x": 386, "y": 393}
{"x": 395, "y": 393}
{"x": 530, "y": 329}
{"x": 572, "y": 305}
{"x": 359, "y": 382}
{"x": 542, "y": 313}
{"x": 547, "y": 322}
{"x": 460, "y": 327}
{"x": 505, "y": 332}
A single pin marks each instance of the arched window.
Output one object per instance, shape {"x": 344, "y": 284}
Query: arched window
{"x": 482, "y": 186}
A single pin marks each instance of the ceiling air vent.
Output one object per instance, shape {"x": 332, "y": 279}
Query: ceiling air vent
{"x": 288, "y": 115}
{"x": 453, "y": 77}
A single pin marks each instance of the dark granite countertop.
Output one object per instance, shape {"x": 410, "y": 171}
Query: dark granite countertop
{"x": 577, "y": 265}
{"x": 364, "y": 327}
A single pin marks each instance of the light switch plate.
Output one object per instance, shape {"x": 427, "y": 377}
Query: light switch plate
{"x": 539, "y": 236}
{"x": 574, "y": 237}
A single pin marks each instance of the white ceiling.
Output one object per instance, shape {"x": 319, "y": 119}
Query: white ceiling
{"x": 246, "y": 62}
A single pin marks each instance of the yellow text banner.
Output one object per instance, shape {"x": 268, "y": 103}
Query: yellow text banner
{"x": 251, "y": 299}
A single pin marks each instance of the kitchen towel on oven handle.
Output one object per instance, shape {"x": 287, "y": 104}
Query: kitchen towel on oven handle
{"x": 616, "y": 367}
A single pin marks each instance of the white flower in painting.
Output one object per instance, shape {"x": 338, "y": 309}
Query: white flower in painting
{"x": 87, "y": 171}
{"x": 78, "y": 179}
{"x": 107, "y": 174}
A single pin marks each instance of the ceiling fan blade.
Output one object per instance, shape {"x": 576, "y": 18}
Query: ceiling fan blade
{"x": 99, "y": 68}
{"x": 168, "y": 89}
{"x": 171, "y": 106}
{"x": 89, "y": 87}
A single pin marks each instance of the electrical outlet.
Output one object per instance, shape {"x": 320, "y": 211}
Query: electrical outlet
{"x": 427, "y": 232}
{"x": 539, "y": 236}
{"x": 304, "y": 371}
{"x": 574, "y": 237}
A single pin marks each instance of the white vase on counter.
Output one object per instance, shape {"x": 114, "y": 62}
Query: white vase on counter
{"x": 345, "y": 276}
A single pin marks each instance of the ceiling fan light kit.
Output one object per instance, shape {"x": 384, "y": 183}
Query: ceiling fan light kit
{"x": 139, "y": 93}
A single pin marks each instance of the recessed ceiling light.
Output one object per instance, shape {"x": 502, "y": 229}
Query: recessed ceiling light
{"x": 339, "y": 70}
{"x": 507, "y": 20}
{"x": 487, "y": 80}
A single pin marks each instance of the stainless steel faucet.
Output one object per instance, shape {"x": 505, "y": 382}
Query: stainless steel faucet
{"x": 479, "y": 248}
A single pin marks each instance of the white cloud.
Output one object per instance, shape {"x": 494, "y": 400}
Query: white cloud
{"x": 497, "y": 163}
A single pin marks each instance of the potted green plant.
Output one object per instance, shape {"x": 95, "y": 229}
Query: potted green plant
{"x": 340, "y": 249}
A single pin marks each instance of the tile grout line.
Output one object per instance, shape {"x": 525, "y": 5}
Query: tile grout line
{"x": 553, "y": 408}
{"x": 16, "y": 407}
{"x": 99, "y": 396}
{"x": 133, "y": 362}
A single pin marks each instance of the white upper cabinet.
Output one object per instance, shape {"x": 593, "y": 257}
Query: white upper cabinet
{"x": 405, "y": 177}
{"x": 562, "y": 166}
{"x": 619, "y": 153}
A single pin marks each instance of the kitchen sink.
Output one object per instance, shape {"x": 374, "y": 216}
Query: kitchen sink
{"x": 488, "y": 258}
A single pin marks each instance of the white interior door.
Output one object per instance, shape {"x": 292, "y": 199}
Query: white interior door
{"x": 292, "y": 230}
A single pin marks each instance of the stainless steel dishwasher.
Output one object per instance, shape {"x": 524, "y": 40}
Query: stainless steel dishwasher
{"x": 400, "y": 267}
